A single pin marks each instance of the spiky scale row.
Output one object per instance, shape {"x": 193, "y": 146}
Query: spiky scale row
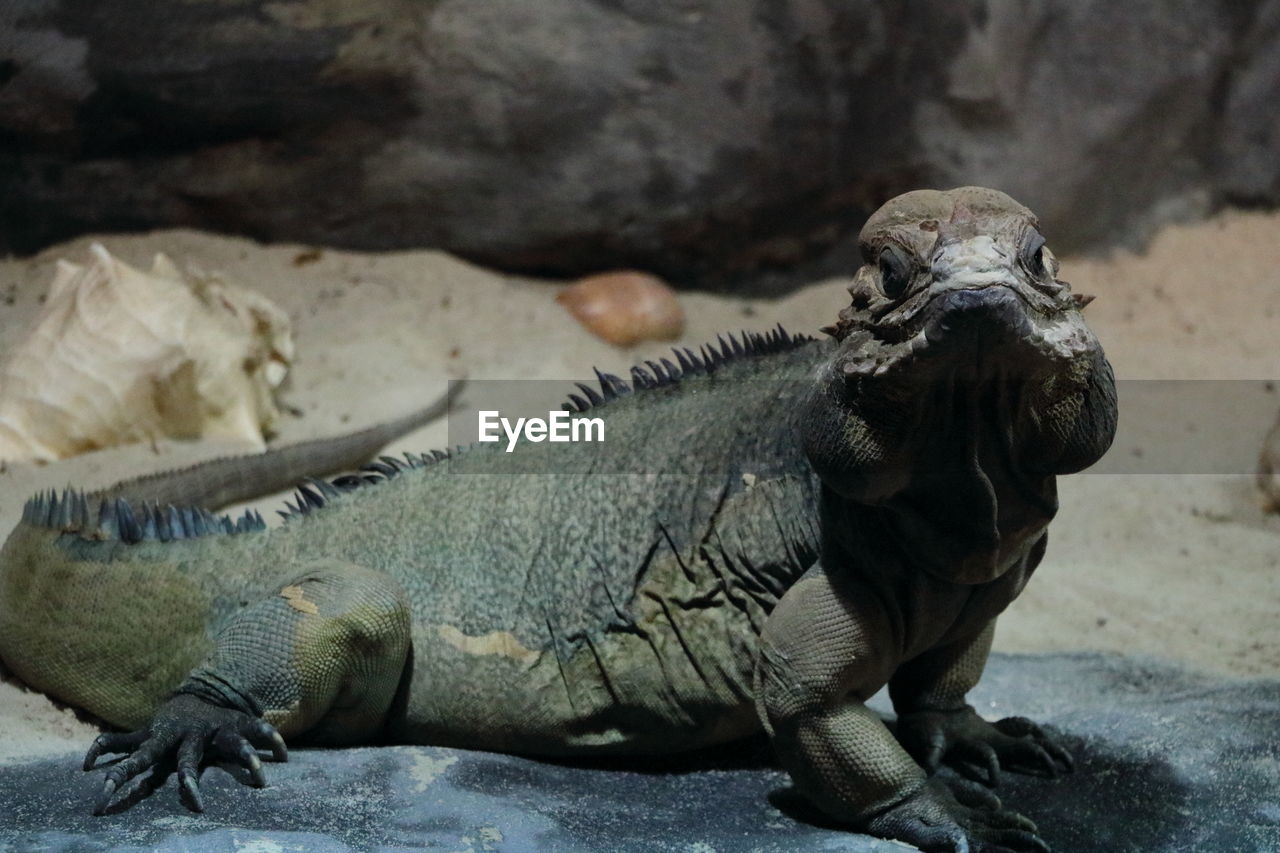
{"x": 314, "y": 493}
{"x": 116, "y": 519}
{"x": 663, "y": 372}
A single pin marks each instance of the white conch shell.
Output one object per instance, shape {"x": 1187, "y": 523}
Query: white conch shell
{"x": 119, "y": 355}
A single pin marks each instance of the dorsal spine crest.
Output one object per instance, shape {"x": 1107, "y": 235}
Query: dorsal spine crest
{"x": 706, "y": 361}
{"x": 116, "y": 519}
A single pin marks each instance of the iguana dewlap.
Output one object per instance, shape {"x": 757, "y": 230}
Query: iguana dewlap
{"x": 775, "y": 529}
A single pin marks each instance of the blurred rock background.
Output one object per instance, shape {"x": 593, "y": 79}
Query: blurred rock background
{"x": 722, "y": 144}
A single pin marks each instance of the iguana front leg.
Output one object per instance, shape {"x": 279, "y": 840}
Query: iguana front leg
{"x": 825, "y": 649}
{"x": 936, "y": 726}
{"x": 323, "y": 655}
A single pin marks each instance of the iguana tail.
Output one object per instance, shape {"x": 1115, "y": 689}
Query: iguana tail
{"x": 231, "y": 479}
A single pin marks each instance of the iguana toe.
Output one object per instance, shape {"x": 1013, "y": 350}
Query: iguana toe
{"x": 111, "y": 742}
{"x": 185, "y": 732}
{"x": 979, "y": 750}
{"x": 1038, "y": 746}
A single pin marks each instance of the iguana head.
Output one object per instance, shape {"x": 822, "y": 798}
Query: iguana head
{"x": 952, "y": 271}
{"x": 964, "y": 378}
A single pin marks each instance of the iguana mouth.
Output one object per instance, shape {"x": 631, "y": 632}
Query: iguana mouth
{"x": 989, "y": 312}
{"x": 982, "y": 319}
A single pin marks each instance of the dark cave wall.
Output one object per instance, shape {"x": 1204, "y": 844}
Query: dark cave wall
{"x": 733, "y": 144}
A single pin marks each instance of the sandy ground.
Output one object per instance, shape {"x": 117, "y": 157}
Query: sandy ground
{"x": 1168, "y": 554}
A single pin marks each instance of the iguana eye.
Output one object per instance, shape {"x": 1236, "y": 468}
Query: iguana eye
{"x": 895, "y": 272}
{"x": 1032, "y": 253}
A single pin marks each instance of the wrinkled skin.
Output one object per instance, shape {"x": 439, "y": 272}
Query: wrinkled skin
{"x": 965, "y": 380}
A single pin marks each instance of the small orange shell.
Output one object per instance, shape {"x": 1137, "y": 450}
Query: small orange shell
{"x": 625, "y": 307}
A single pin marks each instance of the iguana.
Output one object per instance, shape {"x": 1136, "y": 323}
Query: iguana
{"x": 776, "y": 528}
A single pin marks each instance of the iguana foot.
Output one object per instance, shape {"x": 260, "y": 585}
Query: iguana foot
{"x": 978, "y": 749}
{"x": 182, "y": 733}
{"x": 955, "y": 816}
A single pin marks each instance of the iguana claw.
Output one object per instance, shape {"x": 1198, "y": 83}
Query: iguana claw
{"x": 978, "y": 749}
{"x": 179, "y": 737}
{"x": 955, "y": 816}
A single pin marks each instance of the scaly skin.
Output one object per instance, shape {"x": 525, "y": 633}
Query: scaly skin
{"x": 767, "y": 542}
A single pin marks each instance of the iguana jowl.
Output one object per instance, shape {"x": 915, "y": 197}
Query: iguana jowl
{"x": 813, "y": 520}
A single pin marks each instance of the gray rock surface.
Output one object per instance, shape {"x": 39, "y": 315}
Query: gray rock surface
{"x": 1167, "y": 761}
{"x": 723, "y": 143}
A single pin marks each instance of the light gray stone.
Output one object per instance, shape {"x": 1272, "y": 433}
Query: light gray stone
{"x": 1167, "y": 761}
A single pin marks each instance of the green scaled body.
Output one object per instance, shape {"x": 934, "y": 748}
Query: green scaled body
{"x": 612, "y": 605}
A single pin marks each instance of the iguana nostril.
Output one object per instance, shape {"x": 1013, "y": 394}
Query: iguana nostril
{"x": 966, "y": 304}
{"x": 965, "y": 300}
